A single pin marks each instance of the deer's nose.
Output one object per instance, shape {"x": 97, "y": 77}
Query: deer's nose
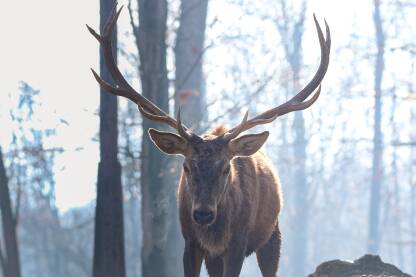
{"x": 203, "y": 217}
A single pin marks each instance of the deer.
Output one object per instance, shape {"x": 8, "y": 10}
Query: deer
{"x": 229, "y": 194}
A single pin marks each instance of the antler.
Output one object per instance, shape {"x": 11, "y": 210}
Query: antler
{"x": 298, "y": 102}
{"x": 123, "y": 88}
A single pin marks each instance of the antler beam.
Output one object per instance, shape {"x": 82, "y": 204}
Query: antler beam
{"x": 123, "y": 88}
{"x": 298, "y": 102}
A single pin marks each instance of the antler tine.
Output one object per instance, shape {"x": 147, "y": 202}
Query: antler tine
{"x": 328, "y": 37}
{"x": 111, "y": 22}
{"x": 325, "y": 45}
{"x": 297, "y": 102}
{"x": 110, "y": 88}
{"x": 105, "y": 41}
{"x": 123, "y": 88}
{"x": 158, "y": 118}
{"x": 236, "y": 131}
{"x": 182, "y": 131}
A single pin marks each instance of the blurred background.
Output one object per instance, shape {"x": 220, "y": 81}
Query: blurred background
{"x": 346, "y": 164}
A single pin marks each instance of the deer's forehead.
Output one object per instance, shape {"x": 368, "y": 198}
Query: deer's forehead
{"x": 206, "y": 166}
{"x": 206, "y": 155}
{"x": 211, "y": 149}
{"x": 205, "y": 161}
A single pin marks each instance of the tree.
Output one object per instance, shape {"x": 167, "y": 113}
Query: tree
{"x": 377, "y": 171}
{"x": 291, "y": 35}
{"x": 190, "y": 97}
{"x": 129, "y": 155}
{"x": 413, "y": 196}
{"x": 30, "y": 159}
{"x": 189, "y": 50}
{"x": 9, "y": 261}
{"x": 397, "y": 218}
{"x": 156, "y": 189}
{"x": 109, "y": 235}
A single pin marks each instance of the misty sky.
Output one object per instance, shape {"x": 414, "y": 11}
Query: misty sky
{"x": 45, "y": 43}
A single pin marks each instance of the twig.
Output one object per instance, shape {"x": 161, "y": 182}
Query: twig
{"x": 244, "y": 103}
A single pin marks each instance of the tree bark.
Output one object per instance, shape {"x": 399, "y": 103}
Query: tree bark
{"x": 10, "y": 261}
{"x": 413, "y": 194}
{"x": 377, "y": 172}
{"x": 298, "y": 243}
{"x": 299, "y": 237}
{"x": 109, "y": 231}
{"x": 157, "y": 189}
{"x": 397, "y": 217}
{"x": 190, "y": 96}
{"x": 189, "y": 50}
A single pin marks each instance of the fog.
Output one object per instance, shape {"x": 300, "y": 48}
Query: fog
{"x": 346, "y": 164}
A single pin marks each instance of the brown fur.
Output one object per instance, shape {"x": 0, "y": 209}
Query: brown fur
{"x": 218, "y": 130}
{"x": 248, "y": 213}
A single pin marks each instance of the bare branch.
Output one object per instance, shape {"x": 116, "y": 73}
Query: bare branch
{"x": 297, "y": 102}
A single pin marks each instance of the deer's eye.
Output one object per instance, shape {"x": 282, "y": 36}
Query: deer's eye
{"x": 186, "y": 169}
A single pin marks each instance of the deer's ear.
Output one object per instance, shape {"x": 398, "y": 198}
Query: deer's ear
{"x": 247, "y": 145}
{"x": 168, "y": 142}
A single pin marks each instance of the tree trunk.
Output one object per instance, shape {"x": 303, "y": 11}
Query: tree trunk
{"x": 377, "y": 172}
{"x": 397, "y": 217}
{"x": 10, "y": 262}
{"x": 413, "y": 195}
{"x": 157, "y": 189}
{"x": 190, "y": 96}
{"x": 301, "y": 192}
{"x": 109, "y": 233}
{"x": 189, "y": 50}
{"x": 292, "y": 41}
{"x": 412, "y": 218}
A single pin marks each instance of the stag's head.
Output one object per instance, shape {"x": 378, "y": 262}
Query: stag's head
{"x": 207, "y": 166}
